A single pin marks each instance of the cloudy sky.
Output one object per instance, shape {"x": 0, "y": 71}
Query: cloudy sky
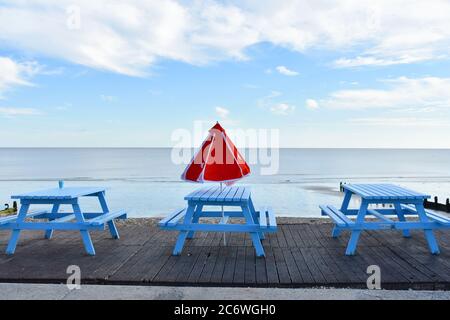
{"x": 348, "y": 73}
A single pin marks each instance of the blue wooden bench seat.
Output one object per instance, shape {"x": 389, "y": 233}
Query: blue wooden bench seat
{"x": 13, "y": 218}
{"x": 172, "y": 219}
{"x": 267, "y": 219}
{"x": 119, "y": 214}
{"x": 339, "y": 218}
{"x": 440, "y": 219}
{"x": 65, "y": 218}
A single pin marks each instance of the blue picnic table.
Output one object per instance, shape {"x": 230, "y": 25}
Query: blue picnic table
{"x": 186, "y": 220}
{"x": 404, "y": 202}
{"x": 56, "y": 220}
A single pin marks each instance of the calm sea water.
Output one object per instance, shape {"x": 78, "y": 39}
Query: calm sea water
{"x": 146, "y": 182}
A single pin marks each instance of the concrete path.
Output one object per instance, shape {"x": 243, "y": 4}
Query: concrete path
{"x": 13, "y": 291}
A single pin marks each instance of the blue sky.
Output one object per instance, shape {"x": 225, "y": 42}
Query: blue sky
{"x": 345, "y": 74}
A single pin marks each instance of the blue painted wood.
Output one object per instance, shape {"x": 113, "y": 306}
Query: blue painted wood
{"x": 65, "y": 218}
{"x": 214, "y": 227}
{"x": 384, "y": 192}
{"x": 263, "y": 218}
{"x": 380, "y": 216}
{"x": 13, "y": 218}
{"x": 336, "y": 215}
{"x": 89, "y": 247}
{"x": 184, "y": 233}
{"x": 175, "y": 216}
{"x": 57, "y": 193}
{"x": 62, "y": 221}
{"x": 429, "y": 235}
{"x": 49, "y": 232}
{"x": 74, "y": 226}
{"x": 432, "y": 215}
{"x": 224, "y": 220}
{"x": 187, "y": 221}
{"x": 401, "y": 217}
{"x": 198, "y": 212}
{"x": 197, "y": 195}
{"x": 16, "y": 231}
{"x": 256, "y": 238}
{"x": 405, "y": 201}
{"x": 272, "y": 220}
{"x": 106, "y": 217}
{"x": 346, "y": 202}
{"x": 354, "y": 237}
{"x": 234, "y": 195}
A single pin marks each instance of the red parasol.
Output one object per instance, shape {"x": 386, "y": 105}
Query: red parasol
{"x": 218, "y": 160}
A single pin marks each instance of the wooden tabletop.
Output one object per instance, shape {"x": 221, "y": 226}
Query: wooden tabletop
{"x": 384, "y": 191}
{"x": 218, "y": 194}
{"x": 57, "y": 193}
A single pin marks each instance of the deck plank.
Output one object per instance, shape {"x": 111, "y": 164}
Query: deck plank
{"x": 299, "y": 255}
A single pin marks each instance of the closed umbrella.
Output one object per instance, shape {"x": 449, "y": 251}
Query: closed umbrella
{"x": 218, "y": 160}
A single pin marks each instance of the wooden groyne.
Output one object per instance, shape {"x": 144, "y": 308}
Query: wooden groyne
{"x": 435, "y": 205}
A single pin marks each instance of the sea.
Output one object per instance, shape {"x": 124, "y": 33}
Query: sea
{"x": 146, "y": 181}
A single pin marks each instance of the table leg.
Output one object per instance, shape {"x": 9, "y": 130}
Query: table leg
{"x": 346, "y": 201}
{"x": 344, "y": 207}
{"x": 84, "y": 233}
{"x": 111, "y": 224}
{"x": 353, "y": 242}
{"x": 336, "y": 232}
{"x": 183, "y": 234}
{"x": 16, "y": 232}
{"x": 195, "y": 219}
{"x": 49, "y": 232}
{"x": 255, "y": 235}
{"x": 401, "y": 217}
{"x": 429, "y": 235}
{"x": 255, "y": 217}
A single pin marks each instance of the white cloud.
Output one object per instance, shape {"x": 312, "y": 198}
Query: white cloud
{"x": 428, "y": 93}
{"x": 128, "y": 37}
{"x": 399, "y": 122}
{"x": 13, "y": 73}
{"x": 372, "y": 61}
{"x": 282, "y": 109}
{"x": 312, "y": 104}
{"x": 287, "y": 72}
{"x": 108, "y": 98}
{"x": 222, "y": 112}
{"x": 11, "y": 112}
{"x": 267, "y": 100}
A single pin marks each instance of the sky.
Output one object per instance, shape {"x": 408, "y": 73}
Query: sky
{"x": 339, "y": 74}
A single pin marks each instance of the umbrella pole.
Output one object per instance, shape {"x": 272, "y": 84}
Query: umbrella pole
{"x": 223, "y": 216}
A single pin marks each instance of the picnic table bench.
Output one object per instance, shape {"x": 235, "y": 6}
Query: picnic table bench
{"x": 405, "y": 203}
{"x": 186, "y": 220}
{"x": 56, "y": 220}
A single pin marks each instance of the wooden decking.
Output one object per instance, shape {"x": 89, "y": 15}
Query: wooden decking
{"x": 298, "y": 255}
